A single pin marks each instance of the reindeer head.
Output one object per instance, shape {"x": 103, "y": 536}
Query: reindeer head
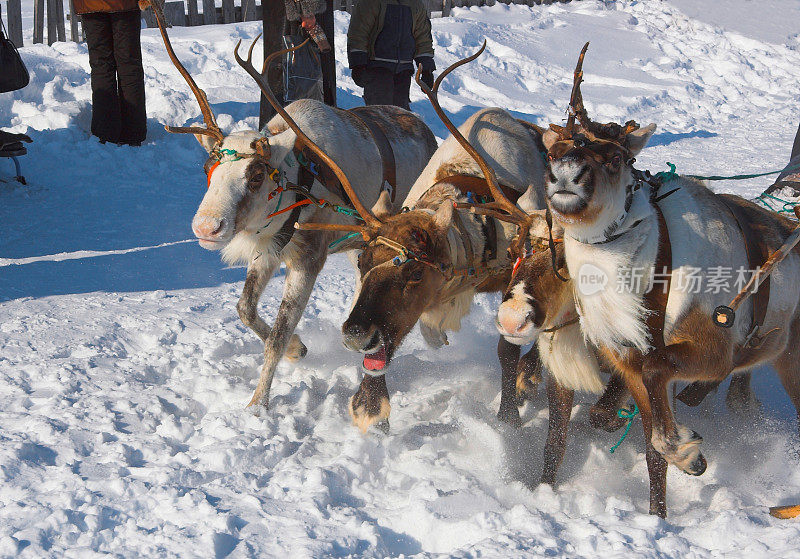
{"x": 246, "y": 171}
{"x": 403, "y": 267}
{"x": 589, "y": 182}
{"x": 536, "y": 294}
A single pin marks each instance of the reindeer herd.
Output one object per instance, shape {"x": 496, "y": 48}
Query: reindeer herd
{"x": 505, "y": 206}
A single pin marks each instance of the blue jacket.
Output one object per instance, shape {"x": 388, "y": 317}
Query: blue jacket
{"x": 390, "y": 34}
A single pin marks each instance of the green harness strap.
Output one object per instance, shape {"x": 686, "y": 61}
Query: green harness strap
{"x": 629, "y": 414}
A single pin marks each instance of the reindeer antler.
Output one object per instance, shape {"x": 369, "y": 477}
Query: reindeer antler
{"x": 502, "y": 208}
{"x": 363, "y": 211}
{"x": 500, "y": 200}
{"x": 211, "y": 128}
{"x": 589, "y": 130}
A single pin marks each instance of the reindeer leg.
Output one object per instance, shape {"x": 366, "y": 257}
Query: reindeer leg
{"x": 529, "y": 375}
{"x": 603, "y": 415}
{"x": 740, "y": 397}
{"x": 300, "y": 278}
{"x": 679, "y": 445}
{"x": 559, "y": 402}
{"x": 508, "y": 354}
{"x": 656, "y": 465}
{"x": 259, "y": 272}
{"x": 370, "y": 404}
{"x": 789, "y": 371}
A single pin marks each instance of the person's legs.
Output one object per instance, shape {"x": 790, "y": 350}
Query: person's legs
{"x": 378, "y": 86}
{"x": 328, "y": 59}
{"x": 796, "y": 147}
{"x": 402, "y": 86}
{"x": 105, "y": 102}
{"x": 128, "y": 55}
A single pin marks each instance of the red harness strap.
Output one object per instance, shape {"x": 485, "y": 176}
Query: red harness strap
{"x": 211, "y": 172}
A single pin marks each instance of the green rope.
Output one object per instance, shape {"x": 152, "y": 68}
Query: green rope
{"x": 628, "y": 414}
{"x": 666, "y": 176}
{"x": 342, "y": 239}
{"x": 788, "y": 207}
{"x": 732, "y": 177}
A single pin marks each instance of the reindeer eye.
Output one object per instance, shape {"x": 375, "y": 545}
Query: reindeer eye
{"x": 551, "y": 177}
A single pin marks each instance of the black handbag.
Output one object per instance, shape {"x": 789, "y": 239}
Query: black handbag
{"x": 302, "y": 71}
{"x": 13, "y": 73}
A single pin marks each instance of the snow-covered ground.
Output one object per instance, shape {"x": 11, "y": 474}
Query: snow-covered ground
{"x": 124, "y": 373}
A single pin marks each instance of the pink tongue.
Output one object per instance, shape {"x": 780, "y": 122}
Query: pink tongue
{"x": 375, "y": 361}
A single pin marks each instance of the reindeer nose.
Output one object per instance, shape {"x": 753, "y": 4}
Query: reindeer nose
{"x": 356, "y": 336}
{"x": 207, "y": 227}
{"x": 511, "y": 321}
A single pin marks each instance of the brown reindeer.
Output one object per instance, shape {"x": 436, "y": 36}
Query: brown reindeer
{"x": 427, "y": 262}
{"x": 659, "y": 330}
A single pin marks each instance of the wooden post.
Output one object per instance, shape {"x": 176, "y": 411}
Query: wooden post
{"x": 61, "y": 33}
{"x": 447, "y": 5}
{"x": 228, "y": 13}
{"x": 51, "y": 22}
{"x": 73, "y": 23}
{"x": 273, "y": 17}
{"x": 38, "y": 21}
{"x": 192, "y": 17}
{"x": 209, "y": 12}
{"x": 14, "y": 17}
{"x": 175, "y": 14}
{"x": 248, "y": 10}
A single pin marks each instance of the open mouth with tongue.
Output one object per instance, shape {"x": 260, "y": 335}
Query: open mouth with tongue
{"x": 379, "y": 358}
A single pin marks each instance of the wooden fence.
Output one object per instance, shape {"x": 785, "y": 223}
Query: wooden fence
{"x": 59, "y": 13}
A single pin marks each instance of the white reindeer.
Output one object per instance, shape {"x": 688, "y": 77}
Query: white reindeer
{"x": 660, "y": 329}
{"x": 252, "y": 177}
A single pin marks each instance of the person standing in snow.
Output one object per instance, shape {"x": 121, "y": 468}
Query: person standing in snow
{"x": 289, "y": 18}
{"x": 112, "y": 29}
{"x": 384, "y": 39}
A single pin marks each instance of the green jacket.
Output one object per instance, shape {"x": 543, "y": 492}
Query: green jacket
{"x": 390, "y": 34}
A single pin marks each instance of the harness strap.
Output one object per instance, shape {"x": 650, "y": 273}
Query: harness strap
{"x": 478, "y": 186}
{"x": 362, "y": 114}
{"x": 657, "y": 298}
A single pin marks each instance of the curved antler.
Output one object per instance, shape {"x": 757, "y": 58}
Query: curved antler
{"x": 211, "y": 128}
{"x": 362, "y": 210}
{"x": 501, "y": 201}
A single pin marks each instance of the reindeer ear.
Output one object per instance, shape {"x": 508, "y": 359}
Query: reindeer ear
{"x": 638, "y": 139}
{"x": 443, "y": 218}
{"x": 206, "y": 141}
{"x": 549, "y": 138}
{"x": 383, "y": 208}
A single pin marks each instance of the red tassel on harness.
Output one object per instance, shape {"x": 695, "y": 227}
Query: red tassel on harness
{"x": 211, "y": 172}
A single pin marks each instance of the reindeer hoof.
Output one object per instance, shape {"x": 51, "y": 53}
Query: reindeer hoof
{"x": 296, "y": 350}
{"x": 605, "y": 419}
{"x": 682, "y": 450}
{"x": 510, "y": 416}
{"x": 370, "y": 407}
{"x": 698, "y": 467}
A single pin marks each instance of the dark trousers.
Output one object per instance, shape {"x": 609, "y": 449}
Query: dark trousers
{"x": 384, "y": 87}
{"x": 796, "y": 147}
{"x": 115, "y": 56}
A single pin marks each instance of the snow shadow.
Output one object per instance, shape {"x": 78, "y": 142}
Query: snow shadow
{"x": 83, "y": 195}
{"x": 667, "y": 138}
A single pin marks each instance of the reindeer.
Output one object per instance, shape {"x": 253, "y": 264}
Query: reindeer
{"x": 426, "y": 263}
{"x": 660, "y": 330}
{"x": 244, "y": 212}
